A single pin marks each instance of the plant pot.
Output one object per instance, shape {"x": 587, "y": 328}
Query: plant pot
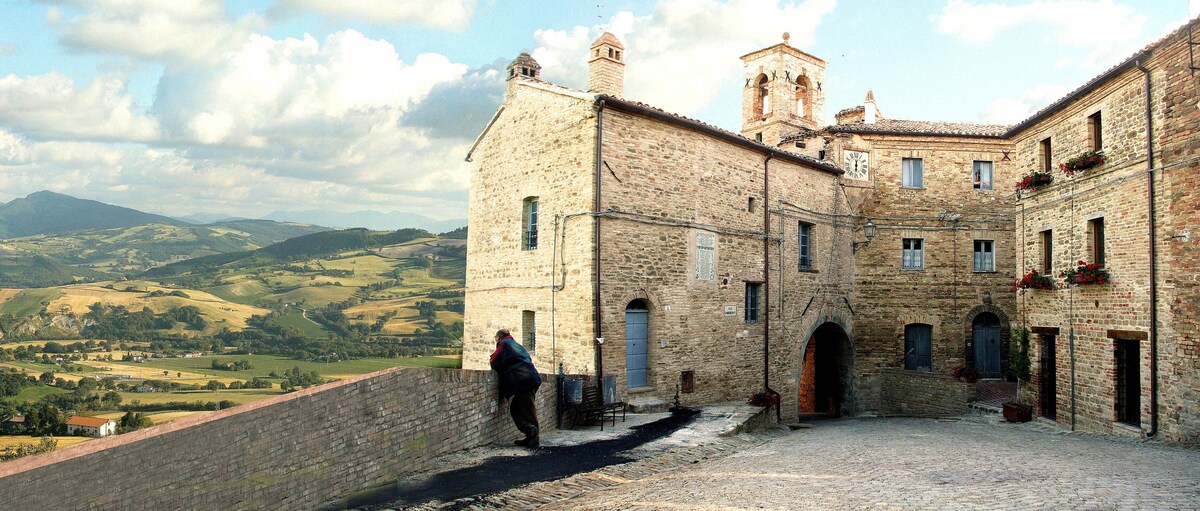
{"x": 1017, "y": 412}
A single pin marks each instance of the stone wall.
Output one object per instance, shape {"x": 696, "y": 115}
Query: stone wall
{"x": 923, "y": 394}
{"x": 296, "y": 451}
{"x": 1092, "y": 318}
{"x": 542, "y": 145}
{"x": 948, "y": 213}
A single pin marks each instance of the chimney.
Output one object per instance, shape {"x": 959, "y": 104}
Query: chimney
{"x": 606, "y": 66}
{"x": 524, "y": 66}
{"x": 871, "y": 111}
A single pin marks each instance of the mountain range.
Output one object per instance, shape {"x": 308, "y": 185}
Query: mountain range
{"x": 54, "y": 213}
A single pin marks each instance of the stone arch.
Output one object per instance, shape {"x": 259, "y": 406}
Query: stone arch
{"x": 616, "y": 354}
{"x": 803, "y": 97}
{"x": 826, "y": 368}
{"x": 968, "y": 343}
{"x": 762, "y": 96}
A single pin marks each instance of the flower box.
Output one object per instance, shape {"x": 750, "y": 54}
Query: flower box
{"x": 1033, "y": 280}
{"x": 1087, "y": 273}
{"x": 1082, "y": 162}
{"x": 1034, "y": 181}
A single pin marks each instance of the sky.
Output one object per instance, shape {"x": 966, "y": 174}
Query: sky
{"x": 244, "y": 108}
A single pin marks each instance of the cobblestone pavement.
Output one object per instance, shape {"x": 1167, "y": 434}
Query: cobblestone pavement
{"x": 898, "y": 463}
{"x": 875, "y": 464}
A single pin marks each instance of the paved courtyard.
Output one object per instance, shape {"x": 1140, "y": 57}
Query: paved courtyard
{"x": 878, "y": 463}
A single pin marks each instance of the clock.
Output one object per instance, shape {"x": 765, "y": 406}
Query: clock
{"x": 855, "y": 164}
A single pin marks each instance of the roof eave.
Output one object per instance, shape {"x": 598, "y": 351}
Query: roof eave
{"x": 921, "y": 133}
{"x": 626, "y": 106}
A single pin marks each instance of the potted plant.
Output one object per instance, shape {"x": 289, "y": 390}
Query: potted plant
{"x": 1016, "y": 410}
{"x": 1086, "y": 273}
{"x": 1033, "y": 181}
{"x": 1033, "y": 280}
{"x": 1082, "y": 162}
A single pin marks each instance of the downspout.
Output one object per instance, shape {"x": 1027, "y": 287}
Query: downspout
{"x": 597, "y": 326}
{"x": 1153, "y": 257}
{"x": 766, "y": 309}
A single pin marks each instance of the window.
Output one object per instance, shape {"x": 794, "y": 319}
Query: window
{"x": 918, "y": 339}
{"x": 752, "y": 290}
{"x": 750, "y": 204}
{"x": 803, "y": 101}
{"x": 1096, "y": 227}
{"x": 805, "y": 243}
{"x": 1047, "y": 252}
{"x": 981, "y": 175}
{"x": 529, "y": 329}
{"x": 758, "y": 137}
{"x": 914, "y": 254}
{"x": 1095, "y": 131}
{"x": 1128, "y": 395}
{"x": 706, "y": 244}
{"x": 762, "y": 97}
{"x": 985, "y": 255}
{"x": 1047, "y": 164}
{"x": 912, "y": 173}
{"x": 529, "y": 235}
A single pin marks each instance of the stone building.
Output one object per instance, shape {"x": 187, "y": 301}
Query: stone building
{"x": 849, "y": 267}
{"x": 1121, "y": 356}
{"x": 615, "y": 238}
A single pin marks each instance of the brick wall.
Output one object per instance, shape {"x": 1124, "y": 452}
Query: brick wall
{"x": 1096, "y": 315}
{"x": 294, "y": 451}
{"x": 923, "y": 394}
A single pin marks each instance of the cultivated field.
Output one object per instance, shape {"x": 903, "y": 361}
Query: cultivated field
{"x": 63, "y": 441}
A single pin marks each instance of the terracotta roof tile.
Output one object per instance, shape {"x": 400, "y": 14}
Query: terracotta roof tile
{"x": 905, "y": 127}
{"x": 91, "y": 422}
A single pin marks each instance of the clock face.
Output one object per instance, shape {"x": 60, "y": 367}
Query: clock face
{"x": 856, "y": 165}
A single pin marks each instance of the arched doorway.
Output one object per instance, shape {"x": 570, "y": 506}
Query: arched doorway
{"x": 637, "y": 333}
{"x": 985, "y": 334}
{"x": 826, "y": 372}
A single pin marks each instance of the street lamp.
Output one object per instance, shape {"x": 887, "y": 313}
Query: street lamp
{"x": 868, "y": 231}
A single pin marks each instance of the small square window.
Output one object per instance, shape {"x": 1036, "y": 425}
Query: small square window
{"x": 981, "y": 175}
{"x": 912, "y": 170}
{"x": 913, "y": 257}
{"x": 985, "y": 255}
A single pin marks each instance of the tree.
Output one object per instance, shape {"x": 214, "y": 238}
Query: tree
{"x": 213, "y": 385}
{"x": 112, "y": 399}
{"x": 46, "y": 378}
{"x": 133, "y": 421}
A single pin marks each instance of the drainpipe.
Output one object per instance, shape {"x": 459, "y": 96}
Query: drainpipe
{"x": 597, "y": 326}
{"x": 1153, "y": 258}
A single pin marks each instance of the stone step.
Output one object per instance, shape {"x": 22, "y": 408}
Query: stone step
{"x": 984, "y": 408}
{"x": 645, "y": 404}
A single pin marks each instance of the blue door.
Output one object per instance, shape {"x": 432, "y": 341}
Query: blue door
{"x": 918, "y": 343}
{"x": 986, "y": 335}
{"x": 637, "y": 331}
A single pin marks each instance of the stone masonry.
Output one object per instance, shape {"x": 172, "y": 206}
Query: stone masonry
{"x": 1088, "y": 323}
{"x": 301, "y": 450}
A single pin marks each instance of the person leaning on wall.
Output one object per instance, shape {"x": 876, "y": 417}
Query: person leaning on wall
{"x": 519, "y": 380}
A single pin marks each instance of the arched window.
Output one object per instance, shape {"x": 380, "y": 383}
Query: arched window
{"x": 762, "y": 98}
{"x": 803, "y": 98}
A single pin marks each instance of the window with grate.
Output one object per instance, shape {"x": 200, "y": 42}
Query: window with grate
{"x": 752, "y": 292}
{"x": 529, "y": 228}
{"x": 805, "y": 246}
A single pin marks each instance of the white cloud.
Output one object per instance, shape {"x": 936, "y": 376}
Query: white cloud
{"x": 1193, "y": 8}
{"x": 678, "y": 56}
{"x": 153, "y": 29}
{"x": 1107, "y": 30}
{"x": 1011, "y": 111}
{"x": 50, "y": 105}
{"x": 12, "y": 149}
{"x": 448, "y": 14}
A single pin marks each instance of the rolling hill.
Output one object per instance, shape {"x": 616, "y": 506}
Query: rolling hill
{"x": 51, "y": 213}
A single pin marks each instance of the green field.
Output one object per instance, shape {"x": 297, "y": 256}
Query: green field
{"x": 263, "y": 365}
{"x": 46, "y": 368}
{"x": 29, "y": 302}
{"x": 237, "y": 396}
{"x": 295, "y": 319}
{"x": 28, "y": 394}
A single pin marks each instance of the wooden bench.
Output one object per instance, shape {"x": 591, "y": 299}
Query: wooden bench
{"x": 593, "y": 408}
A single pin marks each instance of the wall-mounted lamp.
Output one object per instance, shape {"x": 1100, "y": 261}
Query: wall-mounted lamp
{"x": 868, "y": 231}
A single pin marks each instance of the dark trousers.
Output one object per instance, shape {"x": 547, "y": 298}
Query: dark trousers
{"x": 524, "y": 413}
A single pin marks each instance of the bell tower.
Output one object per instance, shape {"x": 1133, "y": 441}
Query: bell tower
{"x": 782, "y": 93}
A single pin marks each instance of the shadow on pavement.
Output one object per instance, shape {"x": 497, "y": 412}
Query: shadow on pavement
{"x": 506, "y": 472}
